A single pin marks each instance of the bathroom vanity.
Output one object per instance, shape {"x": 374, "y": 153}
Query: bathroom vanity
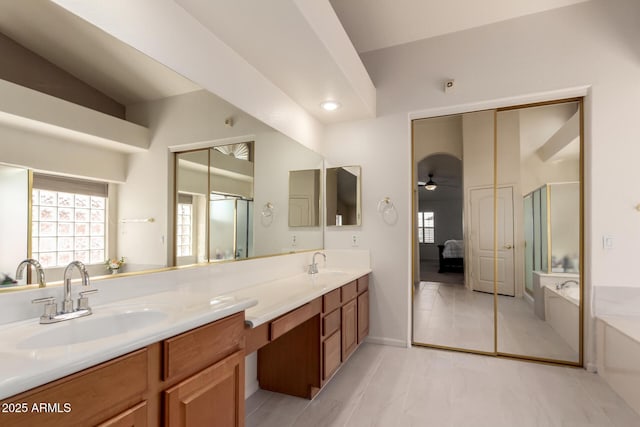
{"x": 172, "y": 380}
{"x": 176, "y": 356}
{"x": 300, "y": 351}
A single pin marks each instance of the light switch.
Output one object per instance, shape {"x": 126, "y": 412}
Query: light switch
{"x": 607, "y": 242}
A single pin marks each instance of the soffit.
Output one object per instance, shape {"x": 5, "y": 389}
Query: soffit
{"x": 296, "y": 44}
{"x": 380, "y": 24}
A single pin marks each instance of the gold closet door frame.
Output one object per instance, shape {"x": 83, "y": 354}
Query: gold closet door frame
{"x": 496, "y": 353}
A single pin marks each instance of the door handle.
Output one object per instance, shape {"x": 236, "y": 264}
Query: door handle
{"x": 508, "y": 246}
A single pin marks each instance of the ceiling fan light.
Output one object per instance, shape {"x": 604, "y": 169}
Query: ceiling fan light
{"x": 430, "y": 185}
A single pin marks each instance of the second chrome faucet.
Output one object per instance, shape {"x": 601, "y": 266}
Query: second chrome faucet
{"x": 313, "y": 268}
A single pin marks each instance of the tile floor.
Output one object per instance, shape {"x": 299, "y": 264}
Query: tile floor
{"x": 451, "y": 315}
{"x": 391, "y": 386}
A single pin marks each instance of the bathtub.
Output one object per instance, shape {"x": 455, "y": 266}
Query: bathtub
{"x": 562, "y": 313}
{"x": 618, "y": 355}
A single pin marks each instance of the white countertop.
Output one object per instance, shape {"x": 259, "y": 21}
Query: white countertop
{"x": 281, "y": 296}
{"x": 24, "y": 366}
{"x": 31, "y": 354}
{"x": 628, "y": 325}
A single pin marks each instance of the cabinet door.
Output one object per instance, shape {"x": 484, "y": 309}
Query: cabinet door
{"x": 213, "y": 397}
{"x": 363, "y": 316}
{"x": 330, "y": 355}
{"x": 133, "y": 417}
{"x": 349, "y": 328}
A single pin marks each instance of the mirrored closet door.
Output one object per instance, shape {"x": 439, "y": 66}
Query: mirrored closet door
{"x": 498, "y": 247}
{"x": 453, "y": 302}
{"x": 539, "y": 160}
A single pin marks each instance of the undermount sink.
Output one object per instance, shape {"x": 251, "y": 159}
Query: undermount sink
{"x": 88, "y": 329}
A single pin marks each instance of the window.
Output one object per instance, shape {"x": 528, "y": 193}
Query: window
{"x": 426, "y": 223}
{"x": 68, "y": 220}
{"x": 184, "y": 221}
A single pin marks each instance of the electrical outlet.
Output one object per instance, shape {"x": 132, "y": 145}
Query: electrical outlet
{"x": 294, "y": 241}
{"x": 354, "y": 241}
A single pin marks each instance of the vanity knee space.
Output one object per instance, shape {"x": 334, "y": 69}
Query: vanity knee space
{"x": 327, "y": 331}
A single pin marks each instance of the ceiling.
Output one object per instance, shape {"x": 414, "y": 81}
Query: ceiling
{"x": 373, "y": 25}
{"x": 299, "y": 45}
{"x": 287, "y": 42}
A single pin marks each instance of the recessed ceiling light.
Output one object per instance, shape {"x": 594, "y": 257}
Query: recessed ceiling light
{"x": 330, "y": 105}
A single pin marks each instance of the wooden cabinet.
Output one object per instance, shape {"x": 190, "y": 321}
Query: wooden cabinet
{"x": 349, "y": 328}
{"x": 331, "y": 357}
{"x": 213, "y": 397}
{"x": 193, "y": 379}
{"x": 363, "y": 316}
{"x": 88, "y": 397}
{"x": 132, "y": 417}
{"x": 307, "y": 346}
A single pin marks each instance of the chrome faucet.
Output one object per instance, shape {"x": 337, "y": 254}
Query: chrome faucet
{"x": 313, "y": 268}
{"x": 67, "y": 303}
{"x": 39, "y": 271}
{"x": 566, "y": 283}
{"x": 51, "y": 314}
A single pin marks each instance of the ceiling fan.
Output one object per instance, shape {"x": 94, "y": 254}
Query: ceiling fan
{"x": 429, "y": 185}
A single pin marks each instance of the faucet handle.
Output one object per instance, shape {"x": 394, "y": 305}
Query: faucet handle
{"x": 50, "y": 307}
{"x": 83, "y": 301}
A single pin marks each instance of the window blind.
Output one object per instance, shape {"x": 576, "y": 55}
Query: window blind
{"x": 69, "y": 185}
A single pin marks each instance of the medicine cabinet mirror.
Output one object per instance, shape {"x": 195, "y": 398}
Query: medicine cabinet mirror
{"x": 343, "y": 195}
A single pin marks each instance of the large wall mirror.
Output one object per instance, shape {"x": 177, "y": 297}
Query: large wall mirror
{"x": 343, "y": 195}
{"x": 498, "y": 225}
{"x": 198, "y": 193}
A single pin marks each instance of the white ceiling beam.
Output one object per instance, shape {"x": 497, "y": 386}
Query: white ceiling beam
{"x": 167, "y": 33}
{"x": 326, "y": 25}
{"x": 559, "y": 140}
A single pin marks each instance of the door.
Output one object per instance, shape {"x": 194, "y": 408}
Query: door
{"x": 349, "y": 328}
{"x": 213, "y": 397}
{"x": 482, "y": 250}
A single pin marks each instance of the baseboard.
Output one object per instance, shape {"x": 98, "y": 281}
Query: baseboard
{"x": 386, "y": 341}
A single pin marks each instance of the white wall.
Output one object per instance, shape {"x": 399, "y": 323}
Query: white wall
{"x": 14, "y": 199}
{"x": 517, "y": 61}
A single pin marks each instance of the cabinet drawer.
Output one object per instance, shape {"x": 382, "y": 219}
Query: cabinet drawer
{"x": 189, "y": 352}
{"x": 133, "y": 417}
{"x": 331, "y": 323}
{"x": 349, "y": 291}
{"x": 331, "y": 355}
{"x": 88, "y": 397}
{"x": 284, "y": 324}
{"x": 363, "y": 284}
{"x": 331, "y": 301}
{"x": 256, "y": 337}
